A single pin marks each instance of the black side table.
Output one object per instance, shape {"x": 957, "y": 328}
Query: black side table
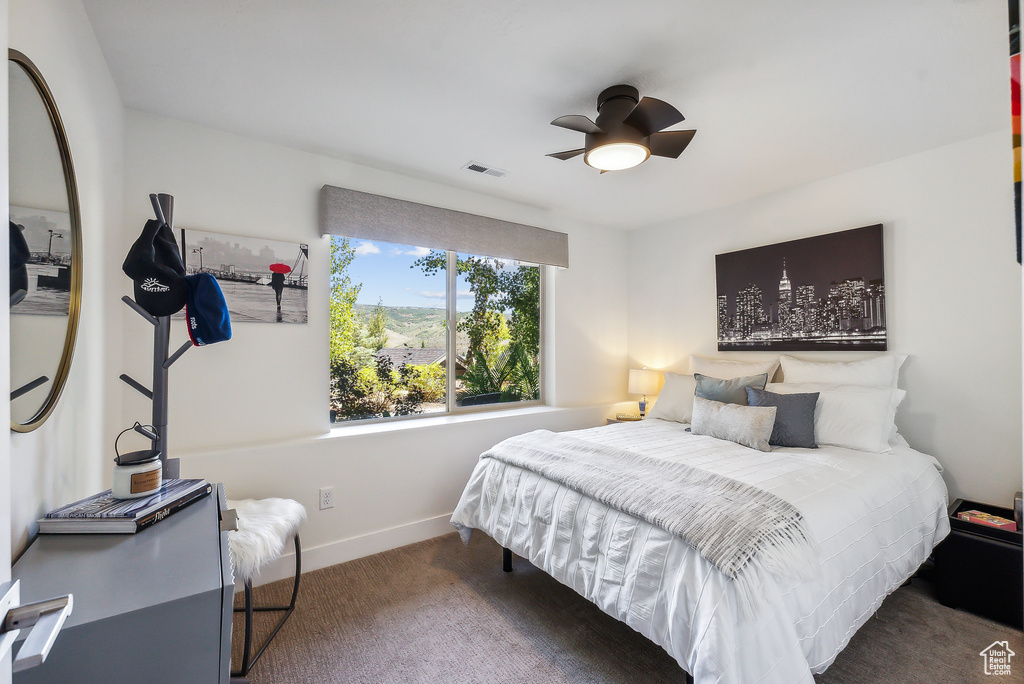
{"x": 980, "y": 568}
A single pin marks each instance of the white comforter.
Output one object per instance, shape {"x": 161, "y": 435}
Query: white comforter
{"x": 875, "y": 518}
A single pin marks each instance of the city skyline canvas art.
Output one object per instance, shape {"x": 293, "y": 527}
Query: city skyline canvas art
{"x": 825, "y": 292}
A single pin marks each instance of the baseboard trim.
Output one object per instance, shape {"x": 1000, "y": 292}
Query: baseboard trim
{"x": 344, "y": 550}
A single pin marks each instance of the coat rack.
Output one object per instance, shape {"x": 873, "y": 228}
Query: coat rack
{"x": 163, "y": 207}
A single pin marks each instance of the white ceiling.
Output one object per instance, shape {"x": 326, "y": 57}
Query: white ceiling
{"x": 781, "y": 92}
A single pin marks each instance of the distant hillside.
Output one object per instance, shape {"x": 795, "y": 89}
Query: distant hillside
{"x": 413, "y": 326}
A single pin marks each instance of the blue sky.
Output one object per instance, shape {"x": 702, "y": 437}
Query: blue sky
{"x": 384, "y": 270}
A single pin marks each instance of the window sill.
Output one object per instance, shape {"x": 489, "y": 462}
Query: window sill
{"x": 378, "y": 427}
{"x": 590, "y": 415}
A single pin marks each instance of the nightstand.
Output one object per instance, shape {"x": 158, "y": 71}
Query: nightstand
{"x": 980, "y": 569}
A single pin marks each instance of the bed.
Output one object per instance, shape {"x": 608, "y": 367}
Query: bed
{"x": 875, "y": 517}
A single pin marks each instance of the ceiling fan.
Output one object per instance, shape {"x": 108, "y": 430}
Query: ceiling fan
{"x": 627, "y": 132}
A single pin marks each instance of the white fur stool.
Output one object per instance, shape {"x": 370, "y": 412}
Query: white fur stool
{"x": 264, "y": 526}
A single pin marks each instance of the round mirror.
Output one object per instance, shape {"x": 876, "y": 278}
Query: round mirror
{"x": 45, "y": 247}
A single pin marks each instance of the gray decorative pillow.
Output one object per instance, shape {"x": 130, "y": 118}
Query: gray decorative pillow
{"x": 728, "y": 391}
{"x": 750, "y": 426}
{"x": 794, "y": 420}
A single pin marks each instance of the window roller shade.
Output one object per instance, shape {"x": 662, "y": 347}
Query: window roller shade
{"x": 354, "y": 214}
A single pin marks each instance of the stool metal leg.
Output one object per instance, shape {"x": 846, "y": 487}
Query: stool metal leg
{"x": 295, "y": 587}
{"x": 247, "y": 648}
{"x": 249, "y": 609}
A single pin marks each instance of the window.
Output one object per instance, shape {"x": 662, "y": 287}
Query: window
{"x": 436, "y": 328}
{"x": 498, "y": 330}
{"x": 408, "y": 338}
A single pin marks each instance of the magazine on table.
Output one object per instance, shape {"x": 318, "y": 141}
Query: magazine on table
{"x": 102, "y": 513}
{"x": 982, "y": 518}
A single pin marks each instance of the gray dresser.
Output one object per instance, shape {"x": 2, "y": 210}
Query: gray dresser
{"x": 151, "y": 607}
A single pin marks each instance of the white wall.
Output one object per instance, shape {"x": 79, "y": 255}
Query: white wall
{"x": 953, "y": 292}
{"x": 253, "y": 413}
{"x": 68, "y": 457}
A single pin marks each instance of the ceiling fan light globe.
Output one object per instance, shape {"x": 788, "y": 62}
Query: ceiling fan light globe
{"x": 617, "y": 156}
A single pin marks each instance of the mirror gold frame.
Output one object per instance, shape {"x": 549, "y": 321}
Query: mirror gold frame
{"x": 76, "y": 243}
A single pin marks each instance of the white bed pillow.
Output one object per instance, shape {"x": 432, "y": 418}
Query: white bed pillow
{"x": 853, "y": 416}
{"x": 750, "y": 426}
{"x": 727, "y": 369}
{"x": 881, "y": 371}
{"x": 675, "y": 402}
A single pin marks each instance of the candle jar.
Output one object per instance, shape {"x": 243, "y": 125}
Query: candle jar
{"x": 138, "y": 473}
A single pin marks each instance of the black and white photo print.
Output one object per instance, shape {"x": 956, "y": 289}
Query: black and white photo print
{"x": 48, "y": 234}
{"x": 262, "y": 280}
{"x": 818, "y": 293}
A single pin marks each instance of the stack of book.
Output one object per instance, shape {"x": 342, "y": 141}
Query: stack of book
{"x": 103, "y": 514}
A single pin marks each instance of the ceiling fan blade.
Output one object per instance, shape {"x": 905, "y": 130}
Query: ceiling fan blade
{"x": 669, "y": 143}
{"x": 652, "y": 115}
{"x": 576, "y": 122}
{"x": 568, "y": 154}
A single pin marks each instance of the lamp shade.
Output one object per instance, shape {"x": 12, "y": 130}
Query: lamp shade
{"x": 643, "y": 381}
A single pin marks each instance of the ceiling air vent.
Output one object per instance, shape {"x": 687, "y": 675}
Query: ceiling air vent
{"x": 477, "y": 167}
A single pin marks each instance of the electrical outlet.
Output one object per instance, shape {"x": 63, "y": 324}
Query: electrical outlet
{"x": 326, "y": 498}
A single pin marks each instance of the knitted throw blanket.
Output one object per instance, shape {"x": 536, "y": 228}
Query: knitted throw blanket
{"x": 744, "y": 531}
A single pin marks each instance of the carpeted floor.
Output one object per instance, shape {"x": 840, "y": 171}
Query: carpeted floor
{"x": 441, "y": 613}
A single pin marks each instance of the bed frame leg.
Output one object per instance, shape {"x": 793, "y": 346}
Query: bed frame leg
{"x": 506, "y": 560}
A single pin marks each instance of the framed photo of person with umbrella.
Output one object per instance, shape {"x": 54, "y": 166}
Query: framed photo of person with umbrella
{"x": 264, "y": 281}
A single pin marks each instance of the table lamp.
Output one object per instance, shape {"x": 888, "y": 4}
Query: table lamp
{"x": 643, "y": 382}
